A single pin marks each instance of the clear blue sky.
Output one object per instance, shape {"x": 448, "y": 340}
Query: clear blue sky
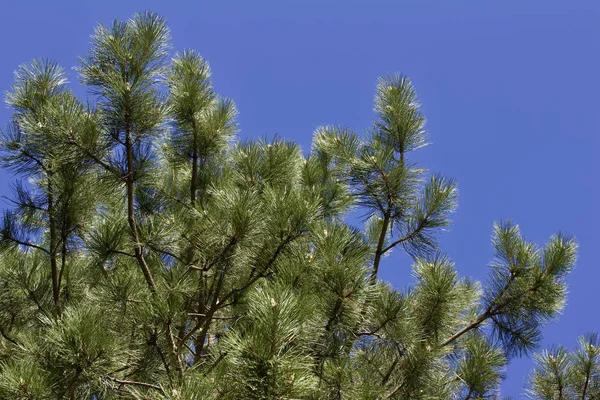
{"x": 510, "y": 89}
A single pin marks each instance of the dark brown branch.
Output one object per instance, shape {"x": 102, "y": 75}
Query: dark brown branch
{"x": 53, "y": 240}
{"x": 123, "y": 253}
{"x": 206, "y": 321}
{"x": 97, "y": 160}
{"x": 32, "y": 157}
{"x": 492, "y": 310}
{"x": 406, "y": 237}
{"x": 10, "y": 339}
{"x": 379, "y": 251}
{"x": 587, "y": 380}
{"x": 336, "y": 309}
{"x": 63, "y": 262}
{"x": 191, "y": 314}
{"x": 35, "y": 300}
{"x": 469, "y": 394}
{"x": 175, "y": 351}
{"x": 388, "y": 374}
{"x": 386, "y": 220}
{"x": 194, "y": 178}
{"x": 23, "y": 243}
{"x": 375, "y": 331}
{"x": 232, "y": 242}
{"x": 467, "y": 328}
{"x": 222, "y": 303}
{"x": 559, "y": 381}
{"x": 137, "y": 245}
{"x": 393, "y": 392}
{"x": 414, "y": 233}
{"x": 165, "y": 252}
{"x": 133, "y": 383}
{"x": 221, "y": 357}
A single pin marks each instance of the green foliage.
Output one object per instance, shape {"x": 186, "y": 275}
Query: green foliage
{"x": 268, "y": 356}
{"x": 560, "y": 374}
{"x": 149, "y": 254}
{"x": 80, "y": 350}
{"x": 399, "y": 123}
{"x": 22, "y": 380}
{"x": 481, "y": 367}
{"x": 527, "y": 285}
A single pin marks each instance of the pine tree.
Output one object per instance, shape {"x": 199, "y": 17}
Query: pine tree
{"x": 149, "y": 254}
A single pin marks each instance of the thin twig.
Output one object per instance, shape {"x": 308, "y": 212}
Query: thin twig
{"x": 134, "y": 383}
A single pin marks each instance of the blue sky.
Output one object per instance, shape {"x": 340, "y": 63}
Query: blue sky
{"x": 510, "y": 89}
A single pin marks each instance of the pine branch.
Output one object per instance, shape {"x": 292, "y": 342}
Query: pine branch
{"x": 379, "y": 251}
{"x": 214, "y": 365}
{"x": 27, "y": 244}
{"x": 334, "y": 313}
{"x": 200, "y": 341}
{"x": 232, "y": 242}
{"x": 469, "y": 394}
{"x": 107, "y": 167}
{"x": 559, "y": 381}
{"x": 36, "y": 301}
{"x": 123, "y": 253}
{"x": 34, "y": 159}
{"x": 388, "y": 374}
{"x": 408, "y": 237}
{"x": 175, "y": 351}
{"x": 53, "y": 239}
{"x": 586, "y": 383}
{"x": 467, "y": 328}
{"x": 491, "y": 310}
{"x": 392, "y": 393}
{"x": 30, "y": 204}
{"x": 137, "y": 245}
{"x": 7, "y": 337}
{"x": 140, "y": 384}
{"x": 194, "y": 177}
{"x": 165, "y": 252}
{"x": 192, "y": 314}
{"x": 63, "y": 262}
{"x": 234, "y": 293}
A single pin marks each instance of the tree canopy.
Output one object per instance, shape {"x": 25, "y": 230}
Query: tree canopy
{"x": 150, "y": 254}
